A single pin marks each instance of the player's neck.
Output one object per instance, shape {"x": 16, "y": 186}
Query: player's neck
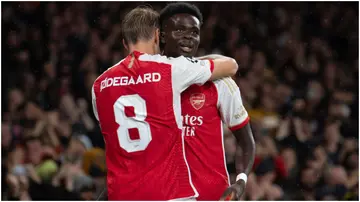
{"x": 143, "y": 47}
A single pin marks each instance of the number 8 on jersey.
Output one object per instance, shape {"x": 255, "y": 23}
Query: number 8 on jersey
{"x": 134, "y": 122}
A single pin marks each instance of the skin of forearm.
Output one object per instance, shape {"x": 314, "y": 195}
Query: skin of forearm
{"x": 245, "y": 140}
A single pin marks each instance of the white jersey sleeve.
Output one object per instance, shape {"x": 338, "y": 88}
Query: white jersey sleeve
{"x": 232, "y": 110}
{"x": 93, "y": 98}
{"x": 188, "y": 71}
{"x": 184, "y": 73}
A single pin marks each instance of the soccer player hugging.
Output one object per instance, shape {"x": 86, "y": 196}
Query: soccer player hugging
{"x": 204, "y": 110}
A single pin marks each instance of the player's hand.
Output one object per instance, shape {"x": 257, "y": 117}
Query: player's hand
{"x": 234, "y": 192}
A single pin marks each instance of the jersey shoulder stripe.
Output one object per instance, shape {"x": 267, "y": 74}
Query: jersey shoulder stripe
{"x": 227, "y": 83}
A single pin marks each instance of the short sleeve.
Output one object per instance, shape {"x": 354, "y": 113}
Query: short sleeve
{"x": 189, "y": 71}
{"x": 233, "y": 112}
{"x": 93, "y": 98}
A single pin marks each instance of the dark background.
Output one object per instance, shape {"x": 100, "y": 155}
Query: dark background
{"x": 298, "y": 78}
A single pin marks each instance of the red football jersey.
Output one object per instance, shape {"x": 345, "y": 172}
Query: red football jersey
{"x": 204, "y": 110}
{"x": 137, "y": 103}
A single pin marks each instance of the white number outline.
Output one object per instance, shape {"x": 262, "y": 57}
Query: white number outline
{"x": 138, "y": 121}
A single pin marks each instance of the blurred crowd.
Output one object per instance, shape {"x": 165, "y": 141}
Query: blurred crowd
{"x": 298, "y": 76}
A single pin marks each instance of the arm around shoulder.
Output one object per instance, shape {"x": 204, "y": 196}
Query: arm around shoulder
{"x": 223, "y": 66}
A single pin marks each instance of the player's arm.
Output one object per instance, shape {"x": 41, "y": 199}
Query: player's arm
{"x": 245, "y": 140}
{"x": 188, "y": 71}
{"x": 235, "y": 116}
{"x": 211, "y": 57}
{"x": 222, "y": 65}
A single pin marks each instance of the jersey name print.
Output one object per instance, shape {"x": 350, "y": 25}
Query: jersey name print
{"x": 125, "y": 80}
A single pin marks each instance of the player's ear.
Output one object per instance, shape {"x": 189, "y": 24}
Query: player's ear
{"x": 157, "y": 36}
{"x": 124, "y": 43}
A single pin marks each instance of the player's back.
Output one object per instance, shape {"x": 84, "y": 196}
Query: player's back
{"x": 135, "y": 101}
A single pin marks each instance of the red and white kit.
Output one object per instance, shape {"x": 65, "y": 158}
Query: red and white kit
{"x": 204, "y": 110}
{"x": 137, "y": 103}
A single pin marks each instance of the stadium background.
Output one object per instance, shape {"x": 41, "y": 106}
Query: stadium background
{"x": 298, "y": 75}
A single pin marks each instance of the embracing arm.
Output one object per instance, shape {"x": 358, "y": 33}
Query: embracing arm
{"x": 223, "y": 65}
{"x": 211, "y": 57}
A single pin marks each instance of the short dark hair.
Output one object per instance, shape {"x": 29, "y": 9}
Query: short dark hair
{"x": 178, "y": 8}
{"x": 139, "y": 24}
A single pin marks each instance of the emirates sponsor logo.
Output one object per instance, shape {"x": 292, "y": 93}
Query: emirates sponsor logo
{"x": 190, "y": 123}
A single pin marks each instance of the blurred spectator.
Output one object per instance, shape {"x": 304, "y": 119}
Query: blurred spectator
{"x": 298, "y": 77}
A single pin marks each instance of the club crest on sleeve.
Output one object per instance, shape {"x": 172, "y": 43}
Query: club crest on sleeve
{"x": 197, "y": 100}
